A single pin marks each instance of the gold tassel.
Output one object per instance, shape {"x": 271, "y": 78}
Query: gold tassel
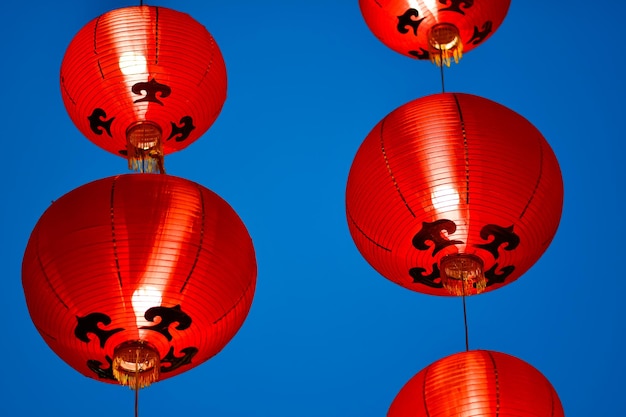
{"x": 462, "y": 274}
{"x": 445, "y": 44}
{"x": 136, "y": 364}
{"x": 150, "y": 160}
{"x": 144, "y": 148}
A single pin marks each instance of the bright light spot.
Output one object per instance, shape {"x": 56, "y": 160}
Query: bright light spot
{"x": 143, "y": 298}
{"x": 132, "y": 63}
{"x": 431, "y": 6}
{"x": 445, "y": 197}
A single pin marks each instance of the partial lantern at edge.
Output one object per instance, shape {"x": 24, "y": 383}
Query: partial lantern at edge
{"x": 139, "y": 277}
{"x": 143, "y": 82}
{"x": 439, "y": 30}
{"x": 477, "y": 383}
{"x": 453, "y": 194}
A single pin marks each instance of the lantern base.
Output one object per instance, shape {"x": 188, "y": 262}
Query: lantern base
{"x": 145, "y": 148}
{"x": 462, "y": 274}
{"x": 445, "y": 43}
{"x": 136, "y": 364}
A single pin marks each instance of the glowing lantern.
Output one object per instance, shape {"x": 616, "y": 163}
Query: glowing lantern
{"x": 139, "y": 277}
{"x": 453, "y": 194}
{"x": 477, "y": 383}
{"x": 143, "y": 82}
{"x": 433, "y": 29}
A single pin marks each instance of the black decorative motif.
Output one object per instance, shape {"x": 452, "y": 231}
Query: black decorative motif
{"x": 176, "y": 362}
{"x": 89, "y": 324}
{"x": 408, "y": 19}
{"x": 106, "y": 373}
{"x": 501, "y": 236}
{"x": 98, "y": 122}
{"x": 182, "y": 132}
{"x": 455, "y": 5}
{"x": 479, "y": 35}
{"x": 151, "y": 88}
{"x": 421, "y": 54}
{"x": 432, "y": 280}
{"x": 434, "y": 232}
{"x": 495, "y": 277}
{"x": 168, "y": 316}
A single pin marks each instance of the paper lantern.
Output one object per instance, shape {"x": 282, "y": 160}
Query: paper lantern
{"x": 453, "y": 194}
{"x": 478, "y": 383}
{"x": 138, "y": 277}
{"x": 142, "y": 82}
{"x": 438, "y": 30}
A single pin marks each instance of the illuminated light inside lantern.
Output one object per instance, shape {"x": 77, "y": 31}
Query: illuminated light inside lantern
{"x": 445, "y": 197}
{"x": 136, "y": 364}
{"x": 144, "y": 298}
{"x": 462, "y": 274}
{"x": 431, "y": 7}
{"x": 445, "y": 43}
{"x": 131, "y": 63}
{"x": 144, "y": 148}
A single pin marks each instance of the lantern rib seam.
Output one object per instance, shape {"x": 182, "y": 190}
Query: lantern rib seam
{"x": 532, "y": 195}
{"x": 364, "y": 234}
{"x": 113, "y": 237}
{"x": 236, "y": 303}
{"x": 67, "y": 92}
{"x": 424, "y": 390}
{"x": 208, "y": 68}
{"x": 43, "y": 271}
{"x": 46, "y": 334}
{"x": 387, "y": 164}
{"x": 95, "y": 41}
{"x": 497, "y": 382}
{"x": 201, "y": 239}
{"x": 465, "y": 150}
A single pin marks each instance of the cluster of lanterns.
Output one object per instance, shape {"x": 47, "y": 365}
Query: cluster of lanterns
{"x": 139, "y": 277}
{"x": 453, "y": 195}
{"x": 135, "y": 278}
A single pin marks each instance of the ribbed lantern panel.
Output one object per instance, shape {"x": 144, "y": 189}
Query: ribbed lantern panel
{"x": 405, "y": 25}
{"x": 143, "y": 257}
{"x": 453, "y": 173}
{"x": 477, "y": 383}
{"x": 143, "y": 64}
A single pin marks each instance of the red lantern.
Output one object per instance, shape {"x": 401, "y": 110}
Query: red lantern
{"x": 477, "y": 383}
{"x": 142, "y": 82}
{"x": 138, "y": 277}
{"x": 433, "y": 29}
{"x": 453, "y": 194}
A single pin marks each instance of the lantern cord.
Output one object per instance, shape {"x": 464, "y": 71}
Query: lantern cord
{"x": 465, "y": 319}
{"x": 137, "y": 399}
{"x": 137, "y": 385}
{"x": 443, "y": 88}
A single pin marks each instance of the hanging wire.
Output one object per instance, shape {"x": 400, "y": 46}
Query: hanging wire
{"x": 443, "y": 88}
{"x": 137, "y": 400}
{"x": 465, "y": 319}
{"x": 137, "y": 384}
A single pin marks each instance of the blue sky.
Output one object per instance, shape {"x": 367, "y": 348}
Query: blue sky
{"x": 326, "y": 335}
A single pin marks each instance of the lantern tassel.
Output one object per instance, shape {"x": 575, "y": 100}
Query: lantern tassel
{"x": 144, "y": 148}
{"x": 151, "y": 160}
{"x": 462, "y": 274}
{"x": 136, "y": 364}
{"x": 444, "y": 56}
{"x": 445, "y": 44}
